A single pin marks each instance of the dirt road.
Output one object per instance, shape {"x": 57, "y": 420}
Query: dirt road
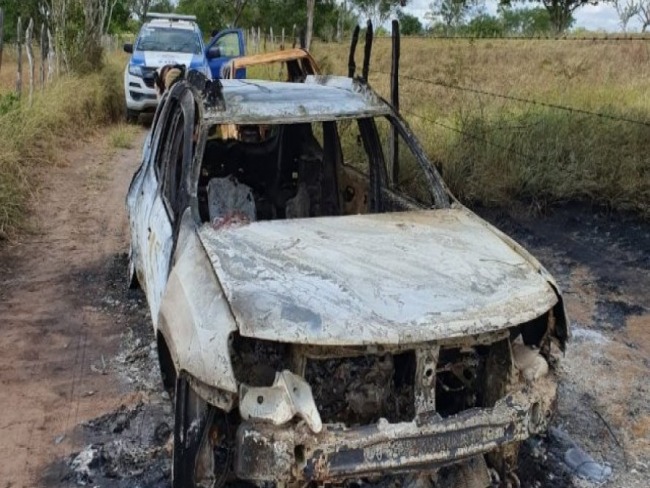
{"x": 78, "y": 368}
{"x": 57, "y": 339}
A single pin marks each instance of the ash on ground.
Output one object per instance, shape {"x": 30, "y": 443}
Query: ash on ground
{"x": 130, "y": 447}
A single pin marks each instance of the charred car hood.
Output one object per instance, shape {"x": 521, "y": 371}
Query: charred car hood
{"x": 390, "y": 278}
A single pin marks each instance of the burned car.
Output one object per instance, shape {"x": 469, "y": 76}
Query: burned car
{"x": 324, "y": 309}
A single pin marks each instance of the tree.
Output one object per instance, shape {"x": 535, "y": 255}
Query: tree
{"x": 410, "y": 25}
{"x": 378, "y": 11}
{"x": 78, "y": 27}
{"x": 626, "y": 9}
{"x": 484, "y": 25}
{"x": 560, "y": 11}
{"x": 215, "y": 14}
{"x": 450, "y": 13}
{"x": 526, "y": 21}
{"x": 119, "y": 20}
{"x": 644, "y": 14}
{"x": 26, "y": 9}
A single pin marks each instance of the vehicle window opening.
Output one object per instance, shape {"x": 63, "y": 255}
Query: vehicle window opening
{"x": 282, "y": 171}
{"x": 171, "y": 163}
{"x": 228, "y": 45}
{"x": 283, "y": 168}
{"x": 168, "y": 39}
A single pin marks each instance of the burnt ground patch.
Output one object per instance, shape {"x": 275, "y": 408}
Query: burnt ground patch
{"x": 130, "y": 446}
{"x": 614, "y": 246}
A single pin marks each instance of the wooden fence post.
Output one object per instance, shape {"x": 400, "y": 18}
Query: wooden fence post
{"x": 51, "y": 56}
{"x": 19, "y": 47}
{"x": 293, "y": 34}
{"x": 2, "y": 34}
{"x": 41, "y": 72}
{"x": 282, "y": 44}
{"x": 310, "y": 24}
{"x": 394, "y": 99}
{"x": 29, "y": 48}
{"x": 259, "y": 37}
{"x": 272, "y": 38}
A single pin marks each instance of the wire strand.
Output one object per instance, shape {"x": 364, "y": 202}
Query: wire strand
{"x": 522, "y": 100}
{"x": 518, "y": 38}
{"x": 470, "y": 135}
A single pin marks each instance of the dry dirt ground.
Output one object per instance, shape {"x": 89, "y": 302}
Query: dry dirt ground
{"x": 80, "y": 397}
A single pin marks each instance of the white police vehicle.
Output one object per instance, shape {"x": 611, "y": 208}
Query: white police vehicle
{"x": 163, "y": 39}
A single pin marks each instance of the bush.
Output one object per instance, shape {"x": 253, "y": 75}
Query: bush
{"x": 8, "y": 102}
{"x": 545, "y": 157}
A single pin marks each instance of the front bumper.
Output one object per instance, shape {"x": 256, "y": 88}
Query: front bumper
{"x": 265, "y": 452}
{"x": 138, "y": 95}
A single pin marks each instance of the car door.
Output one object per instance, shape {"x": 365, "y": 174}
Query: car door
{"x": 171, "y": 165}
{"x": 226, "y": 45}
{"x": 142, "y": 190}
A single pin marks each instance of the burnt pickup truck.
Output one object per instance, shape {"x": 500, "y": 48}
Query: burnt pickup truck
{"x": 324, "y": 309}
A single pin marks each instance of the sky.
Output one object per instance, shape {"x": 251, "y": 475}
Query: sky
{"x": 592, "y": 17}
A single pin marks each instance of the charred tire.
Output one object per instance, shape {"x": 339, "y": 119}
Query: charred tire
{"x": 192, "y": 416}
{"x": 131, "y": 276}
{"x": 167, "y": 368}
{"x": 132, "y": 116}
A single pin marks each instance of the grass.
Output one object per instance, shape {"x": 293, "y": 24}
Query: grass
{"x": 31, "y": 135}
{"x": 494, "y": 151}
{"x": 121, "y": 136}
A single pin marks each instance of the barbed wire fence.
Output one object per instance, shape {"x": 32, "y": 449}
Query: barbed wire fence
{"x": 503, "y": 96}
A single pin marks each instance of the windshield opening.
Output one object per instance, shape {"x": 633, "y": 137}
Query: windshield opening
{"x": 284, "y": 171}
{"x": 169, "y": 40}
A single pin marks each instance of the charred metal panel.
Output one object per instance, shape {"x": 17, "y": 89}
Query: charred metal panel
{"x": 290, "y": 395}
{"x": 562, "y": 329}
{"x": 319, "y": 98}
{"x": 425, "y": 379}
{"x": 195, "y": 318}
{"x": 292, "y": 453}
{"x": 435, "y": 274}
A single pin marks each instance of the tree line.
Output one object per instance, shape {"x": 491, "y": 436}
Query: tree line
{"x": 78, "y": 25}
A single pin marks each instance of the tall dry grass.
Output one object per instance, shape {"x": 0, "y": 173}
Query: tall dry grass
{"x": 493, "y": 151}
{"x": 31, "y": 135}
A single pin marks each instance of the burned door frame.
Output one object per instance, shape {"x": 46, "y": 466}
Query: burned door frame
{"x": 142, "y": 193}
{"x": 164, "y": 214}
{"x": 436, "y": 185}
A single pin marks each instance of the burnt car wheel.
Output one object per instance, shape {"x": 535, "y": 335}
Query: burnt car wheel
{"x": 132, "y": 116}
{"x": 131, "y": 276}
{"x": 192, "y": 416}
{"x": 203, "y": 440}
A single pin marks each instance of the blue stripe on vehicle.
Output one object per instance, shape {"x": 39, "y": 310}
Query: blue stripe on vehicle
{"x": 137, "y": 58}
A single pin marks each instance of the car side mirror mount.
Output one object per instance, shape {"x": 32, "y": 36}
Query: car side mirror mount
{"x": 213, "y": 52}
{"x": 128, "y": 48}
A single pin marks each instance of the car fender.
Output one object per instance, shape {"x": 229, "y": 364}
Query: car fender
{"x": 195, "y": 318}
